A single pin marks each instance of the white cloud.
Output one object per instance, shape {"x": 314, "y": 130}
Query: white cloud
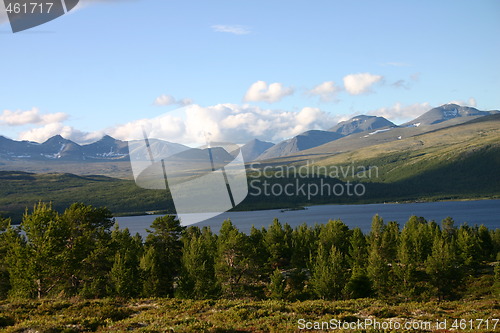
{"x": 193, "y": 124}
{"x": 232, "y": 29}
{"x": 164, "y": 100}
{"x": 360, "y": 83}
{"x": 33, "y": 116}
{"x": 471, "y": 102}
{"x": 41, "y": 134}
{"x": 326, "y": 91}
{"x": 399, "y": 113}
{"x": 261, "y": 92}
{"x": 184, "y": 101}
{"x": 225, "y": 123}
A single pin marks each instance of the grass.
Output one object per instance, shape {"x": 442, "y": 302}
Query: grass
{"x": 174, "y": 315}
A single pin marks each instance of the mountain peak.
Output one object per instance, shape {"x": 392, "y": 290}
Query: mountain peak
{"x": 56, "y": 138}
{"x": 252, "y": 149}
{"x": 447, "y": 112}
{"x": 360, "y": 123}
{"x": 107, "y": 138}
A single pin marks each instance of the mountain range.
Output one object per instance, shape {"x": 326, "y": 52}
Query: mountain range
{"x": 363, "y": 130}
{"x": 59, "y": 148}
{"x": 357, "y": 132}
{"x": 444, "y": 155}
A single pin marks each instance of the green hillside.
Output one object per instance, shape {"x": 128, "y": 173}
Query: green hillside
{"x": 19, "y": 190}
{"x": 457, "y": 162}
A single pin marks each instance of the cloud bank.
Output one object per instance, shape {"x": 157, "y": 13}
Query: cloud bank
{"x": 193, "y": 124}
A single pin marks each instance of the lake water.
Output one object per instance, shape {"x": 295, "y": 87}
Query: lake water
{"x": 485, "y": 212}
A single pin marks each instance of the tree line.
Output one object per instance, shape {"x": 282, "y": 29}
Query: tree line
{"x": 82, "y": 252}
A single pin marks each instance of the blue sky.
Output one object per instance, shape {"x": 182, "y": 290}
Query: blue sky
{"x": 266, "y": 69}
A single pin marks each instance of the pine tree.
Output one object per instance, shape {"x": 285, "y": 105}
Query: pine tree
{"x": 378, "y": 269}
{"x": 259, "y": 254}
{"x": 485, "y": 243}
{"x": 36, "y": 258}
{"x": 329, "y": 273}
{"x": 125, "y": 274}
{"x": 359, "y": 284}
{"x": 198, "y": 278}
{"x": 277, "y": 285}
{"x": 161, "y": 261}
{"x": 303, "y": 246}
{"x": 94, "y": 275}
{"x": 495, "y": 240}
{"x": 303, "y": 250}
{"x": 389, "y": 244}
{"x": 277, "y": 241}
{"x": 335, "y": 233}
{"x": 448, "y": 228}
{"x": 377, "y": 230}
{"x": 233, "y": 263}
{"x": 88, "y": 228}
{"x": 152, "y": 272}
{"x": 443, "y": 268}
{"x": 407, "y": 262}
{"x": 4, "y": 248}
{"x": 469, "y": 246}
{"x": 495, "y": 288}
{"x": 358, "y": 251}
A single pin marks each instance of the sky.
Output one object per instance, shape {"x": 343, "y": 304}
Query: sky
{"x": 243, "y": 69}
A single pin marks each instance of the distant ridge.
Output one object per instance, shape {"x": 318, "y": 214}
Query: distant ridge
{"x": 59, "y": 148}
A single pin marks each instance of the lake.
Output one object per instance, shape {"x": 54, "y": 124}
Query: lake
{"x": 485, "y": 212}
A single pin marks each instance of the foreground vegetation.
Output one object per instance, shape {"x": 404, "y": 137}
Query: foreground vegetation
{"x": 176, "y": 315}
{"x": 76, "y": 254}
{"x": 72, "y": 272}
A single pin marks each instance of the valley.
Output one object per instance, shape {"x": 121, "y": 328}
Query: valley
{"x": 446, "y": 159}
